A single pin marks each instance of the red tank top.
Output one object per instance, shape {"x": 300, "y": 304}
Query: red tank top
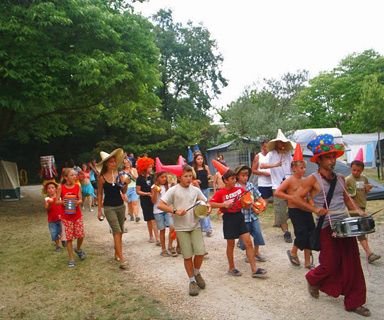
{"x": 70, "y": 191}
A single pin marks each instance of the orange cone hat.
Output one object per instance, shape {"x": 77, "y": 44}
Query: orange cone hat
{"x": 219, "y": 167}
{"x": 180, "y": 160}
{"x": 360, "y": 155}
{"x": 298, "y": 155}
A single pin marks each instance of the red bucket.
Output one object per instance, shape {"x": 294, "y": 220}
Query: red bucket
{"x": 70, "y": 203}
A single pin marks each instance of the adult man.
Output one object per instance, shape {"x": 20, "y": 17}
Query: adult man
{"x": 279, "y": 161}
{"x": 264, "y": 183}
{"x": 340, "y": 269}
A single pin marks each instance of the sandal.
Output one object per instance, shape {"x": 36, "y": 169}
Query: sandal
{"x": 260, "y": 273}
{"x": 123, "y": 265}
{"x": 363, "y": 311}
{"x": 173, "y": 252}
{"x": 164, "y": 253}
{"x": 71, "y": 263}
{"x": 234, "y": 272}
{"x": 293, "y": 259}
{"x": 373, "y": 257}
{"x": 81, "y": 254}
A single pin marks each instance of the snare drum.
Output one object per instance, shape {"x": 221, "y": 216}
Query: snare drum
{"x": 353, "y": 227}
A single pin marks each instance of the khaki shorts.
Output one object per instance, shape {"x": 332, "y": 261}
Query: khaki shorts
{"x": 191, "y": 243}
{"x": 115, "y": 217}
{"x": 281, "y": 210}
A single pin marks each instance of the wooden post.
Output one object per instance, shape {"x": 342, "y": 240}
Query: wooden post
{"x": 380, "y": 154}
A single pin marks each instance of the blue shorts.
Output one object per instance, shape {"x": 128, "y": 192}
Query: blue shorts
{"x": 131, "y": 194}
{"x": 255, "y": 231}
{"x": 163, "y": 220}
{"x": 55, "y": 230}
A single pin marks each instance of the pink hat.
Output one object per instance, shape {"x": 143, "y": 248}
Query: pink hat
{"x": 360, "y": 155}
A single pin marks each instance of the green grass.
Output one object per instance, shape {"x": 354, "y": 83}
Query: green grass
{"x": 35, "y": 282}
{"x": 372, "y": 173}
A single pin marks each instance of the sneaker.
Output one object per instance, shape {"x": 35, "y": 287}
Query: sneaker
{"x": 373, "y": 257}
{"x": 58, "y": 249}
{"x": 193, "y": 288}
{"x": 71, "y": 264}
{"x": 80, "y": 254}
{"x": 200, "y": 281}
{"x": 137, "y": 219}
{"x": 260, "y": 273}
{"x": 234, "y": 272}
{"x": 287, "y": 237}
{"x": 260, "y": 258}
{"x": 132, "y": 218}
{"x": 173, "y": 252}
{"x": 64, "y": 243}
{"x": 209, "y": 233}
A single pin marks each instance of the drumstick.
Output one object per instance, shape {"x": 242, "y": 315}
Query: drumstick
{"x": 196, "y": 204}
{"x": 375, "y": 212}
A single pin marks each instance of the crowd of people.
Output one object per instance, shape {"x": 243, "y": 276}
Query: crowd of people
{"x": 118, "y": 182}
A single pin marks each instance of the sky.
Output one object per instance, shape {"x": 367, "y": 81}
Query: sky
{"x": 267, "y": 38}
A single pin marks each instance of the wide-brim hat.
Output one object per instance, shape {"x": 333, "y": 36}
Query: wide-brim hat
{"x": 241, "y": 168}
{"x": 324, "y": 144}
{"x": 117, "y": 153}
{"x": 289, "y": 145}
{"x": 47, "y": 182}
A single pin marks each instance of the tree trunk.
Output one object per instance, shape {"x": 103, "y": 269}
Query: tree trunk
{"x": 380, "y": 154}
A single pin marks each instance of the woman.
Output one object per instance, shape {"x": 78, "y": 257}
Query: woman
{"x": 86, "y": 186}
{"x": 113, "y": 190}
{"x": 203, "y": 174}
{"x": 132, "y": 198}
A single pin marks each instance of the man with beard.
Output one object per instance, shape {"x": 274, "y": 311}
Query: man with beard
{"x": 339, "y": 272}
{"x": 278, "y": 160}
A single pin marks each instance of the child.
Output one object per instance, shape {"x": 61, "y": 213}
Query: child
{"x": 73, "y": 221}
{"x": 86, "y": 187}
{"x": 302, "y": 220}
{"x": 131, "y": 195}
{"x": 250, "y": 217}
{"x": 176, "y": 200}
{"x": 358, "y": 187}
{"x": 163, "y": 219}
{"x": 143, "y": 189}
{"x": 54, "y": 212}
{"x": 234, "y": 227}
{"x": 203, "y": 174}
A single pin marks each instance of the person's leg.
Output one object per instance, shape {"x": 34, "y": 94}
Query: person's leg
{"x": 118, "y": 242}
{"x": 71, "y": 256}
{"x": 150, "y": 230}
{"x": 162, "y": 240}
{"x": 230, "y": 250}
{"x": 130, "y": 210}
{"x": 307, "y": 258}
{"x": 135, "y": 209}
{"x": 155, "y": 231}
{"x": 246, "y": 238}
{"x": 170, "y": 241}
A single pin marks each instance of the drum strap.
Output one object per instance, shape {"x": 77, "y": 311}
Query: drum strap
{"x": 327, "y": 200}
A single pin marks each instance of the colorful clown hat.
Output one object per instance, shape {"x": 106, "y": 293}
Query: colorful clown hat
{"x": 298, "y": 155}
{"x": 360, "y": 156}
{"x": 324, "y": 144}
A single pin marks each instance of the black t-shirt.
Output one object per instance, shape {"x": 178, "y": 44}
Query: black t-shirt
{"x": 202, "y": 175}
{"x": 145, "y": 184}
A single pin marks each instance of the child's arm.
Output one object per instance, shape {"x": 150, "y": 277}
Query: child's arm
{"x": 281, "y": 191}
{"x": 154, "y": 193}
{"x": 167, "y": 208}
{"x": 58, "y": 196}
{"x": 80, "y": 198}
{"x": 225, "y": 204}
{"x": 48, "y": 202}
{"x": 142, "y": 193}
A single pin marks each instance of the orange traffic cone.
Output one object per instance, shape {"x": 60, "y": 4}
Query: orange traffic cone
{"x": 298, "y": 155}
{"x": 219, "y": 167}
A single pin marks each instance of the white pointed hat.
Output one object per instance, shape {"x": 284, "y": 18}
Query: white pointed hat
{"x": 117, "y": 153}
{"x": 281, "y": 137}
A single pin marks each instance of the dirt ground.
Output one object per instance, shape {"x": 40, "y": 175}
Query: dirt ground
{"x": 283, "y": 295}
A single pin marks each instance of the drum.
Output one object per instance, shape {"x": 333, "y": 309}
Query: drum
{"x": 246, "y": 200}
{"x": 354, "y": 226}
{"x": 201, "y": 210}
{"x": 70, "y": 204}
{"x": 259, "y": 206}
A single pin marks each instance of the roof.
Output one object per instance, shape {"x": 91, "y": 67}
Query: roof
{"x": 362, "y": 138}
{"x": 221, "y": 146}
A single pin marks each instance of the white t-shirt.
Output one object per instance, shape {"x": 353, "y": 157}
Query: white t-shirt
{"x": 278, "y": 174}
{"x": 264, "y": 181}
{"x": 162, "y": 192}
{"x": 183, "y": 198}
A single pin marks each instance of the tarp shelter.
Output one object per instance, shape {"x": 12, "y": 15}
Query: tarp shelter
{"x": 367, "y": 141}
{"x": 9, "y": 181}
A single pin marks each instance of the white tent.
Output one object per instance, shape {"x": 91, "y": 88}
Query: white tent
{"x": 367, "y": 141}
{"x": 9, "y": 181}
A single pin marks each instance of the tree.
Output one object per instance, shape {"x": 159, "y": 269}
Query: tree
{"x": 261, "y": 112}
{"x": 65, "y": 64}
{"x": 332, "y": 98}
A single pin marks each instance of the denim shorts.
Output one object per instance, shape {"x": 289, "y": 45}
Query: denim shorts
{"x": 163, "y": 220}
{"x": 255, "y": 231}
{"x": 132, "y": 195}
{"x": 55, "y": 229}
